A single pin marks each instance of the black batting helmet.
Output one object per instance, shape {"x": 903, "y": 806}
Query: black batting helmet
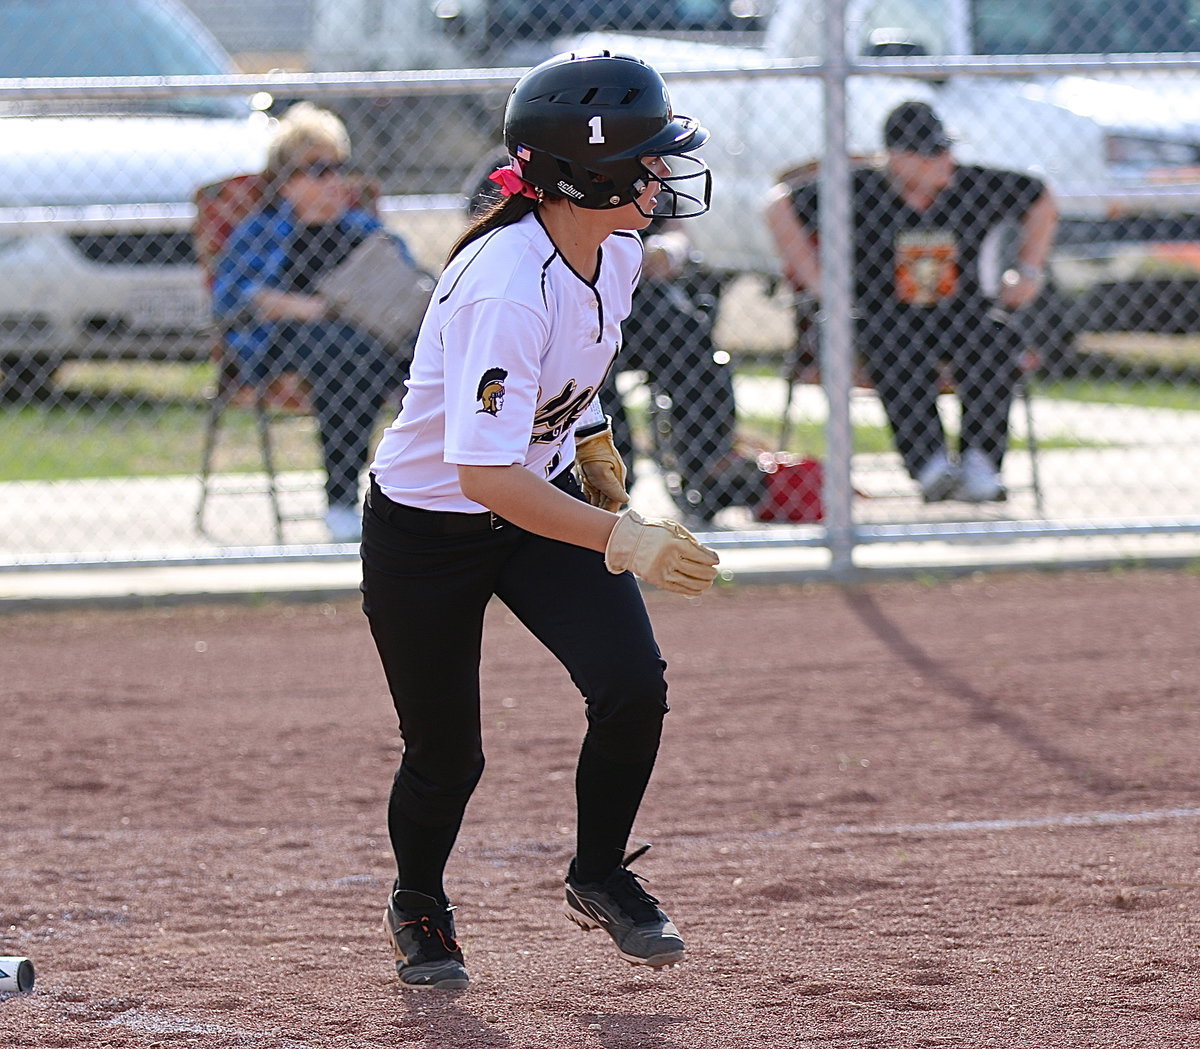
{"x": 578, "y": 125}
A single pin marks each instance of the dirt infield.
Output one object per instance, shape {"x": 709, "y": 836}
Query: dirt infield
{"x": 955, "y": 814}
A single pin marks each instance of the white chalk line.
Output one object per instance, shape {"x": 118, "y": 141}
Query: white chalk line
{"x": 166, "y": 1023}
{"x": 1089, "y": 819}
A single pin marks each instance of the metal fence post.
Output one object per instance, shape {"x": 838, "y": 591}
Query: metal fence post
{"x": 837, "y": 335}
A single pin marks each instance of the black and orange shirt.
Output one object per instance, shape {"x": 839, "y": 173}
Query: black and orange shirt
{"x": 946, "y": 255}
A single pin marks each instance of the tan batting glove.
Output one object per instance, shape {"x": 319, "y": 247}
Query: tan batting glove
{"x": 601, "y": 470}
{"x": 661, "y": 552}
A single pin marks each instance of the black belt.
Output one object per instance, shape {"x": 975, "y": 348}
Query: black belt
{"x": 444, "y": 522}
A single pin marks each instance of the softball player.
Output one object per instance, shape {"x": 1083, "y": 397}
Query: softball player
{"x": 473, "y": 495}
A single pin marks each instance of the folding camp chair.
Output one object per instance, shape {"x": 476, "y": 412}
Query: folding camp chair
{"x": 220, "y": 206}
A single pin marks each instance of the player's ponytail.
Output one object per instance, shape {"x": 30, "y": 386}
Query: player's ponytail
{"x": 501, "y": 211}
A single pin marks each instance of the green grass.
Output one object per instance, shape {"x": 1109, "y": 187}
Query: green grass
{"x": 1142, "y": 392}
{"x": 144, "y": 419}
{"x": 94, "y": 439}
{"x": 146, "y": 380}
{"x": 1152, "y": 393}
{"x": 137, "y": 420}
{"x": 808, "y": 438}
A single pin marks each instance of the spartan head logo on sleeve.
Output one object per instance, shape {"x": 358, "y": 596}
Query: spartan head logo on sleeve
{"x": 490, "y": 392}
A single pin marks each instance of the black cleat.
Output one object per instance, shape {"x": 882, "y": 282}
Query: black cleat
{"x": 619, "y": 905}
{"x": 421, "y": 932}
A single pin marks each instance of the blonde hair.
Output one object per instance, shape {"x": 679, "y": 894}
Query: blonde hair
{"x": 302, "y": 128}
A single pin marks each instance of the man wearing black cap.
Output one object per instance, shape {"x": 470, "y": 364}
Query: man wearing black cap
{"x": 929, "y": 289}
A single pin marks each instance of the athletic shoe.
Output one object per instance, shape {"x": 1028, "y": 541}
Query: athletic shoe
{"x": 421, "y": 932}
{"x": 979, "y": 482}
{"x": 644, "y": 935}
{"x": 939, "y": 479}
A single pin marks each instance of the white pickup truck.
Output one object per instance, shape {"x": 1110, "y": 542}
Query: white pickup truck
{"x": 1122, "y": 152}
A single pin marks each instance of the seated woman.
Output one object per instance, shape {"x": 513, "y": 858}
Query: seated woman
{"x": 265, "y": 295}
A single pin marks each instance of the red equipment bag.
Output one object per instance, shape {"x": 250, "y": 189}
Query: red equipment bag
{"x": 792, "y": 488}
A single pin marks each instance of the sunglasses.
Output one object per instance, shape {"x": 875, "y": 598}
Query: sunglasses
{"x": 321, "y": 168}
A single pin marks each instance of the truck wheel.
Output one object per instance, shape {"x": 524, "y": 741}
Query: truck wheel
{"x": 1161, "y": 306}
{"x": 27, "y": 380}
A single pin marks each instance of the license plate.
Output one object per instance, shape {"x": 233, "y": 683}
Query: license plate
{"x": 168, "y": 310}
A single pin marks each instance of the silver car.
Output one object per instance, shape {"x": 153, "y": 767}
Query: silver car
{"x": 96, "y": 258}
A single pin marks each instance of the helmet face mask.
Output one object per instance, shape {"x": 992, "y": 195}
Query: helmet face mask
{"x": 685, "y": 192}
{"x": 579, "y": 126}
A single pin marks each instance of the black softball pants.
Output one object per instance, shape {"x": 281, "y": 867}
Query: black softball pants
{"x": 425, "y": 592}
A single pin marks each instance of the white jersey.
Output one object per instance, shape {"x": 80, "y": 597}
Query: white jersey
{"x": 513, "y": 349}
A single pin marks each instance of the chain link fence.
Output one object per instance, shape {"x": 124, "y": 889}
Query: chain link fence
{"x": 932, "y": 328}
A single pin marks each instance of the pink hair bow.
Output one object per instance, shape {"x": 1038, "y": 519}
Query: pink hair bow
{"x": 511, "y": 184}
